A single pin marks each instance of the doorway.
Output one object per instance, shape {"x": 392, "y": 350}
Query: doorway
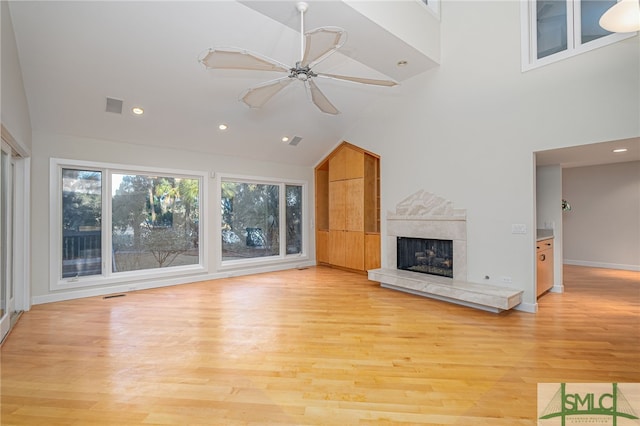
{"x": 552, "y": 213}
{"x": 7, "y": 287}
{"x": 14, "y": 234}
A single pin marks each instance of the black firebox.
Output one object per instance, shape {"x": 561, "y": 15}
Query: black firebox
{"x": 427, "y": 256}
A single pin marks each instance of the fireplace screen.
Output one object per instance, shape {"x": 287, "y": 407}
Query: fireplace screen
{"x": 427, "y": 256}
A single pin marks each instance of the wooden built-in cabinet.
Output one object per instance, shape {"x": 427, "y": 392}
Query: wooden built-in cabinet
{"x": 544, "y": 266}
{"x": 348, "y": 209}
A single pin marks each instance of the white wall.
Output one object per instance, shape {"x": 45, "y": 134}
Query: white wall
{"x": 410, "y": 21}
{"x": 46, "y": 146}
{"x": 470, "y": 128}
{"x": 15, "y": 111}
{"x": 603, "y": 227}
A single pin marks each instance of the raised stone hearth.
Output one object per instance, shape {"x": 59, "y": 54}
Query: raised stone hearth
{"x": 425, "y": 215}
{"x": 480, "y": 296}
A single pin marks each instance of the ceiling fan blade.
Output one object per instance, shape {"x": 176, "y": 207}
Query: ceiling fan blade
{"x": 320, "y": 43}
{"x": 320, "y": 100}
{"x": 238, "y": 59}
{"x": 257, "y": 96}
{"x": 388, "y": 83}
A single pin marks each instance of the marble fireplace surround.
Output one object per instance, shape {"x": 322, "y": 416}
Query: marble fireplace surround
{"x": 425, "y": 215}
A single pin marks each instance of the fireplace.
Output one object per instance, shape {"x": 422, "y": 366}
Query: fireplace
{"x": 427, "y": 234}
{"x": 427, "y": 216}
{"x": 425, "y": 255}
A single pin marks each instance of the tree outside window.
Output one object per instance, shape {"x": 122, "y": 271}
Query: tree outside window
{"x": 250, "y": 220}
{"x": 294, "y": 218}
{"x": 154, "y": 222}
{"x": 81, "y": 223}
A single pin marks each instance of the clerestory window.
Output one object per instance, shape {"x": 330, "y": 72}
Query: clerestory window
{"x": 553, "y": 30}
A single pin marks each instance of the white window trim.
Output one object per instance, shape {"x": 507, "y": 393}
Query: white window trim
{"x": 283, "y": 257}
{"x": 56, "y": 282}
{"x": 21, "y": 242}
{"x": 575, "y": 47}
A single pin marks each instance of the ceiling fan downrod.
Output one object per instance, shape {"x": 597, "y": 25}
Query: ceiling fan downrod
{"x": 302, "y": 8}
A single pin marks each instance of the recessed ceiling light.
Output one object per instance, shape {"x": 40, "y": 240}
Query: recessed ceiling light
{"x": 285, "y": 139}
{"x": 223, "y": 126}
{"x": 402, "y": 63}
{"x": 137, "y": 110}
{"x": 620, "y": 150}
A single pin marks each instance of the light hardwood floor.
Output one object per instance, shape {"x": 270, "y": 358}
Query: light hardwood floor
{"x": 316, "y": 346}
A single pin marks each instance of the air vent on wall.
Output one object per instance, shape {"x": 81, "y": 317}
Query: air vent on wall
{"x": 114, "y": 105}
{"x": 295, "y": 140}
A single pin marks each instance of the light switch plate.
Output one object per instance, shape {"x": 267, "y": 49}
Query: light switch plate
{"x": 518, "y": 228}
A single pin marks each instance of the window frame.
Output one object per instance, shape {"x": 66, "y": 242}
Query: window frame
{"x": 57, "y": 282}
{"x": 282, "y": 257}
{"x": 433, "y": 6}
{"x": 574, "y": 43}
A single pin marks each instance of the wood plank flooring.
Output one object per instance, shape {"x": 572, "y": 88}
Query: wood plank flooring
{"x": 312, "y": 347}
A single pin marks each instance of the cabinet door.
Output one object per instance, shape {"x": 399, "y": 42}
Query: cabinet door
{"x": 544, "y": 270}
{"x": 354, "y": 250}
{"x": 346, "y": 163}
{"x": 337, "y": 248}
{"x": 322, "y": 247}
{"x": 371, "y": 251}
{"x": 354, "y": 204}
{"x": 338, "y": 165}
{"x": 354, "y": 163}
{"x": 337, "y": 205}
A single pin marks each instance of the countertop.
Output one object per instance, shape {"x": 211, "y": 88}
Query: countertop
{"x": 543, "y": 234}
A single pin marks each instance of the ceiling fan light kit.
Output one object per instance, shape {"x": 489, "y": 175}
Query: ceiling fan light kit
{"x": 316, "y": 46}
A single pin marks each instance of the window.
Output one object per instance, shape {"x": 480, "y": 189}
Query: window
{"x": 294, "y": 219}
{"x": 81, "y": 223}
{"x": 109, "y": 223}
{"x": 154, "y": 221}
{"x": 260, "y": 219}
{"x": 557, "y": 29}
{"x": 250, "y": 220}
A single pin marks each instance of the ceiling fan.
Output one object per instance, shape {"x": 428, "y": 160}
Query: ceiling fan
{"x": 316, "y": 46}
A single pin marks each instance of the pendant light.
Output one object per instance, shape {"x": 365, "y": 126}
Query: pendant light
{"x": 622, "y": 17}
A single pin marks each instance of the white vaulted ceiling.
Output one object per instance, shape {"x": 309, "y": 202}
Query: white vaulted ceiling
{"x": 75, "y": 54}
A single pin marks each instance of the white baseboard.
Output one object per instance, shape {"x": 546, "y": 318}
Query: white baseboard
{"x": 531, "y": 308}
{"x": 120, "y": 288}
{"x": 601, "y": 265}
{"x": 126, "y": 287}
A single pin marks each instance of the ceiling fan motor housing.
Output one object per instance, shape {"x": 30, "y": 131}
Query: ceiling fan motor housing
{"x": 302, "y": 73}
